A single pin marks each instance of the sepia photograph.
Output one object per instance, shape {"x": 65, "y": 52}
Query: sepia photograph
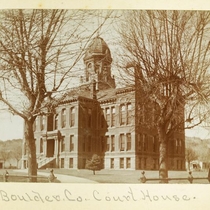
{"x": 104, "y": 99}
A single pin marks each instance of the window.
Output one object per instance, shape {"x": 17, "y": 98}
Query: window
{"x": 35, "y": 124}
{"x": 156, "y": 144}
{"x": 139, "y": 137}
{"x": 42, "y": 122}
{"x": 145, "y": 142}
{"x": 178, "y": 146}
{"x": 62, "y": 162}
{"x": 102, "y": 119}
{"x": 122, "y": 115}
{"x": 177, "y": 164}
{"x": 128, "y": 141}
{"x": 129, "y": 113}
{"x": 72, "y": 116}
{"x": 56, "y": 122}
{"x": 112, "y": 163}
{"x": 71, "y": 162}
{"x": 154, "y": 163}
{"x": 113, "y": 116}
{"x": 63, "y": 118}
{"x": 122, "y": 142}
{"x": 139, "y": 163}
{"x": 41, "y": 145}
{"x": 145, "y": 163}
{"x": 89, "y": 143}
{"x": 63, "y": 145}
{"x": 128, "y": 163}
{"x": 102, "y": 144}
{"x": 89, "y": 118}
{"x": 167, "y": 89}
{"x": 107, "y": 116}
{"x": 107, "y": 143}
{"x": 50, "y": 122}
{"x": 83, "y": 144}
{"x": 142, "y": 112}
{"x": 112, "y": 143}
{"x": 71, "y": 145}
{"x": 121, "y": 162}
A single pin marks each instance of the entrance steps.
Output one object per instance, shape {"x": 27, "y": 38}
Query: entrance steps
{"x": 45, "y": 161}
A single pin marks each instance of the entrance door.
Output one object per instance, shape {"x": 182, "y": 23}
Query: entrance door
{"x": 50, "y": 147}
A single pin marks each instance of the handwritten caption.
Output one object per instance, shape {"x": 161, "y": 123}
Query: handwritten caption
{"x": 68, "y": 195}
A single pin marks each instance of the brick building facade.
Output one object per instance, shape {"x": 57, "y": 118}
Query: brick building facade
{"x": 98, "y": 118}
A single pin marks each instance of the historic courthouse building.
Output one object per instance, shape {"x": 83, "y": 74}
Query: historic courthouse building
{"x": 98, "y": 118}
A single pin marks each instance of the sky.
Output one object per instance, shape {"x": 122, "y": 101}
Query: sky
{"x": 11, "y": 127}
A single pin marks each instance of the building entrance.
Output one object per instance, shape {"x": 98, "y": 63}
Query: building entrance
{"x": 50, "y": 147}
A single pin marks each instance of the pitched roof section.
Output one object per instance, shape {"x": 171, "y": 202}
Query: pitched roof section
{"x": 85, "y": 91}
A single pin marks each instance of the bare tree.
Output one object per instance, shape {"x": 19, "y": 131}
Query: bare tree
{"x": 38, "y": 50}
{"x": 5, "y": 152}
{"x": 190, "y": 155}
{"x": 16, "y": 151}
{"x": 169, "y": 52}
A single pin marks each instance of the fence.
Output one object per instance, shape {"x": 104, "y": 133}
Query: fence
{"x": 190, "y": 178}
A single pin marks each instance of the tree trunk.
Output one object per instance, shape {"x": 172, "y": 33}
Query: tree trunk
{"x": 31, "y": 150}
{"x": 163, "y": 158}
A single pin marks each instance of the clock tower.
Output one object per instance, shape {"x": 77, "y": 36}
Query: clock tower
{"x": 98, "y": 61}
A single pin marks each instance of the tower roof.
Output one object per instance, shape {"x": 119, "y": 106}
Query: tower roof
{"x": 98, "y": 47}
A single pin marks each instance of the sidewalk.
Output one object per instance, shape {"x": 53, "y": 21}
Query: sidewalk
{"x": 68, "y": 179}
{"x": 63, "y": 178}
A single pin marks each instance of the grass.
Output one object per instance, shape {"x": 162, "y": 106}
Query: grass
{"x": 16, "y": 176}
{"x": 111, "y": 176}
{"x": 129, "y": 176}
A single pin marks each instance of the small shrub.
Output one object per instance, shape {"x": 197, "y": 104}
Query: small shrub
{"x": 94, "y": 164}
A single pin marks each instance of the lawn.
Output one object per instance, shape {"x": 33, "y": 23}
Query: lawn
{"x": 109, "y": 176}
{"x": 130, "y": 176}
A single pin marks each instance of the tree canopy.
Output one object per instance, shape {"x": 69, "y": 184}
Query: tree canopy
{"x": 167, "y": 54}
